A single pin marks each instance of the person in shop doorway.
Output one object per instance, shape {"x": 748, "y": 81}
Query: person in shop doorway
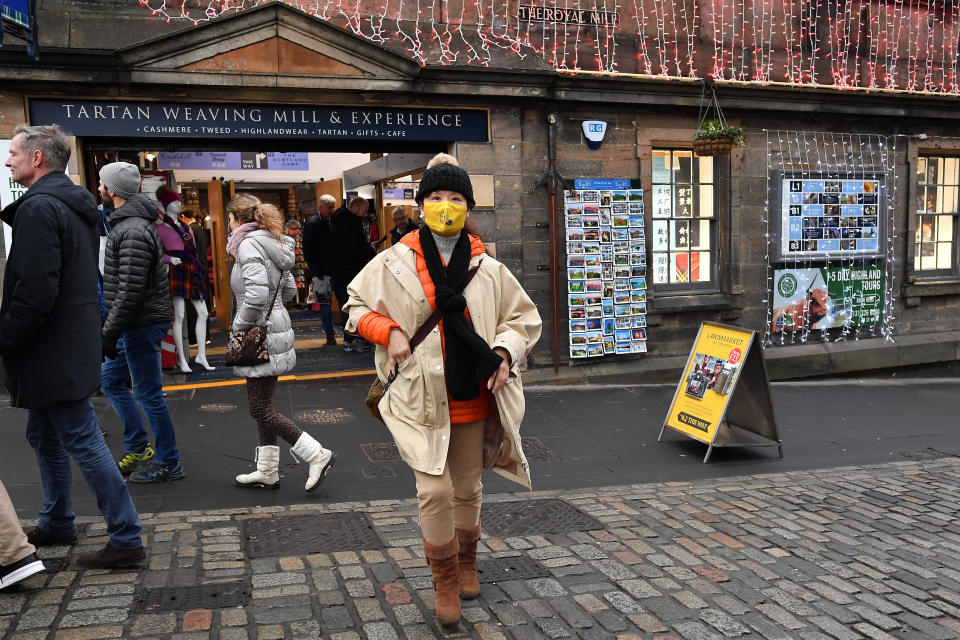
{"x": 136, "y": 292}
{"x": 187, "y": 277}
{"x": 351, "y": 252}
{"x": 50, "y": 345}
{"x": 264, "y": 257}
{"x": 201, "y": 238}
{"x": 18, "y": 558}
{"x": 452, "y": 419}
{"x": 317, "y": 234}
{"x": 401, "y": 224}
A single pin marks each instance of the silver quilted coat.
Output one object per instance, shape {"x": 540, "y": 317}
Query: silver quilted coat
{"x": 255, "y": 275}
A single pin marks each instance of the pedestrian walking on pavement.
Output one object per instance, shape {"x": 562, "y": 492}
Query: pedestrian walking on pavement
{"x": 454, "y": 403}
{"x": 351, "y": 252}
{"x": 18, "y": 558}
{"x": 136, "y": 292}
{"x": 317, "y": 249}
{"x": 263, "y": 259}
{"x": 50, "y": 344}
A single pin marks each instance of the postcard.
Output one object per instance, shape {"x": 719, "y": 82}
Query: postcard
{"x": 578, "y": 326}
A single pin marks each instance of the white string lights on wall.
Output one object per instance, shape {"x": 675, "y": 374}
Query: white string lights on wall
{"x": 831, "y": 235}
{"x": 909, "y": 45}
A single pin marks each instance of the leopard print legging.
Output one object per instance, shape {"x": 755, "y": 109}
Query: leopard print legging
{"x": 270, "y": 422}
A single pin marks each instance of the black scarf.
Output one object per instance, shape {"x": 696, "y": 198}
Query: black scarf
{"x": 468, "y": 359}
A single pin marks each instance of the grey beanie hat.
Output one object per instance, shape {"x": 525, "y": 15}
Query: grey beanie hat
{"x": 122, "y": 178}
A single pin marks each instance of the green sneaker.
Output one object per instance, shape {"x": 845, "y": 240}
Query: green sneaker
{"x": 131, "y": 462}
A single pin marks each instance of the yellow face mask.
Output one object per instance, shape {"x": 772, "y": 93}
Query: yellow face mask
{"x": 444, "y": 218}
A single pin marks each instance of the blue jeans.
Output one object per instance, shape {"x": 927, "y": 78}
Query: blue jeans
{"x": 62, "y": 431}
{"x": 138, "y": 356}
{"x": 327, "y": 317}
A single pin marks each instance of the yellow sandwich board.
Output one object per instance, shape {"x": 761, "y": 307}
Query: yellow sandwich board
{"x": 724, "y": 394}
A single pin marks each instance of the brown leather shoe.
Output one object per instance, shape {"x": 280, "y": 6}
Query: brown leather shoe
{"x": 467, "y": 555}
{"x": 42, "y": 538}
{"x": 446, "y": 579}
{"x": 110, "y": 557}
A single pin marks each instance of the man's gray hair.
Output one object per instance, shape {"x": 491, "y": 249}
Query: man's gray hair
{"x": 50, "y": 140}
{"x": 328, "y": 200}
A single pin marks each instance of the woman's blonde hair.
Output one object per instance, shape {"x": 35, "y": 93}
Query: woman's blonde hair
{"x": 247, "y": 208}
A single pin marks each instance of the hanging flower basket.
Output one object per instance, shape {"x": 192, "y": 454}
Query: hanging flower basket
{"x": 713, "y": 147}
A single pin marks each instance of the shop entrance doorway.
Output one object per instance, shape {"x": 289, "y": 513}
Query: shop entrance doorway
{"x": 294, "y": 181}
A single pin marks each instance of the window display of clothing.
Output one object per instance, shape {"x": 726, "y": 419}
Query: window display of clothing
{"x": 294, "y": 230}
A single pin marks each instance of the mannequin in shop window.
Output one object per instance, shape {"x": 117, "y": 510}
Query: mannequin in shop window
{"x": 187, "y": 277}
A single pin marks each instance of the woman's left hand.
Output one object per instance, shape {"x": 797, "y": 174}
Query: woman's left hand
{"x": 500, "y": 376}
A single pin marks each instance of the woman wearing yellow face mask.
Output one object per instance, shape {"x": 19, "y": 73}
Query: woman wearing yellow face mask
{"x": 454, "y": 401}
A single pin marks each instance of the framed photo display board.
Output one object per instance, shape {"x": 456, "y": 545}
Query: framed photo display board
{"x": 820, "y": 216}
{"x": 606, "y": 268}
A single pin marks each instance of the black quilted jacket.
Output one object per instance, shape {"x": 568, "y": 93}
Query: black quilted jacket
{"x": 135, "y": 285}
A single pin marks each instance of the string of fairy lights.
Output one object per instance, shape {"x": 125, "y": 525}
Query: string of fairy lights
{"x": 895, "y": 44}
{"x": 858, "y": 301}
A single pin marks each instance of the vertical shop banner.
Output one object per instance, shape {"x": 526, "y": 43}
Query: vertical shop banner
{"x": 606, "y": 268}
{"x": 724, "y": 384}
{"x": 827, "y": 297}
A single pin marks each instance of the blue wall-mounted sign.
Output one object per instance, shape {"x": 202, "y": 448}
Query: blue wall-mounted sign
{"x": 117, "y": 118}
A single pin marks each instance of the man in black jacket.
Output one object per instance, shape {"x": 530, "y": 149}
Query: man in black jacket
{"x": 50, "y": 344}
{"x": 136, "y": 292}
{"x": 351, "y": 252}
{"x": 317, "y": 235}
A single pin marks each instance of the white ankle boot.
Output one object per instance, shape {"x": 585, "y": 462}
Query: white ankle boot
{"x": 312, "y": 452}
{"x": 267, "y": 475}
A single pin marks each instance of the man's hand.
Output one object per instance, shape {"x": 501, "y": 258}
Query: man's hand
{"x": 500, "y": 376}
{"x": 109, "y": 351}
{"x": 398, "y": 349}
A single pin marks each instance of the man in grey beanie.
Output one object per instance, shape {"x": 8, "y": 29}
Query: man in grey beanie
{"x": 136, "y": 292}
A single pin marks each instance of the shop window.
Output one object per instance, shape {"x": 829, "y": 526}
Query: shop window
{"x": 683, "y": 216}
{"x": 938, "y": 182}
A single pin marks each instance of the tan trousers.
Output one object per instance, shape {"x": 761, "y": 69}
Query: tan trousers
{"x": 452, "y": 500}
{"x": 13, "y": 542}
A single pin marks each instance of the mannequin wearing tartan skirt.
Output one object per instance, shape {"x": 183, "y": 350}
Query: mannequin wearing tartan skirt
{"x": 187, "y": 279}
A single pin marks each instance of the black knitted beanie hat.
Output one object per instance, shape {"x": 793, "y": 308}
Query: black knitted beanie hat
{"x": 443, "y": 172}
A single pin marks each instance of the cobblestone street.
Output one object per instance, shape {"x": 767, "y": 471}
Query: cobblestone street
{"x": 857, "y": 552}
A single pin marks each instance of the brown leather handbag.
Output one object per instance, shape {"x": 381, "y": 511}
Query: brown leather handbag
{"x": 378, "y": 388}
{"x": 248, "y": 347}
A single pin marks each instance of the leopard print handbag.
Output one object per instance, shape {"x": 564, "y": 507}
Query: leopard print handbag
{"x": 248, "y": 347}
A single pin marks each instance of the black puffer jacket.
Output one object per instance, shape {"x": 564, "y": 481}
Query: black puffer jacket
{"x": 136, "y": 290}
{"x": 50, "y": 315}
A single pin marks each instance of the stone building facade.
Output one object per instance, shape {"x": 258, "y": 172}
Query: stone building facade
{"x": 277, "y": 55}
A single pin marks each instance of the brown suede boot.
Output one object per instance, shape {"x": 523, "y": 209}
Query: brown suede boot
{"x": 446, "y": 579}
{"x": 469, "y": 584}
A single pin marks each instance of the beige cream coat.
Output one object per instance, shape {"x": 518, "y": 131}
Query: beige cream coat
{"x": 414, "y": 407}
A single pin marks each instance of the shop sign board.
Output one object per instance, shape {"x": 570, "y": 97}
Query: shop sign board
{"x": 9, "y": 191}
{"x": 827, "y": 297}
{"x": 606, "y": 268}
{"x": 16, "y": 13}
{"x": 233, "y": 160}
{"x": 819, "y": 215}
{"x": 567, "y": 15}
{"x": 228, "y": 120}
{"x": 724, "y": 385}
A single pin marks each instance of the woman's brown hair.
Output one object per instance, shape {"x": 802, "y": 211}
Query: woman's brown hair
{"x": 247, "y": 208}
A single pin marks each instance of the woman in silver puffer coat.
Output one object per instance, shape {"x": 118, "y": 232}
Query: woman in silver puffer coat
{"x": 263, "y": 258}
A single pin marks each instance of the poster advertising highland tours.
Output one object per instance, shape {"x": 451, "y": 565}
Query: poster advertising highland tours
{"x": 827, "y": 297}
{"x": 606, "y": 268}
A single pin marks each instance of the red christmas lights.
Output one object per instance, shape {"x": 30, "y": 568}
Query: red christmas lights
{"x": 848, "y": 44}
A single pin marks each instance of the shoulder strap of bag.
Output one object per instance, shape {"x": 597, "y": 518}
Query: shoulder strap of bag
{"x": 273, "y": 300}
{"x": 435, "y": 317}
